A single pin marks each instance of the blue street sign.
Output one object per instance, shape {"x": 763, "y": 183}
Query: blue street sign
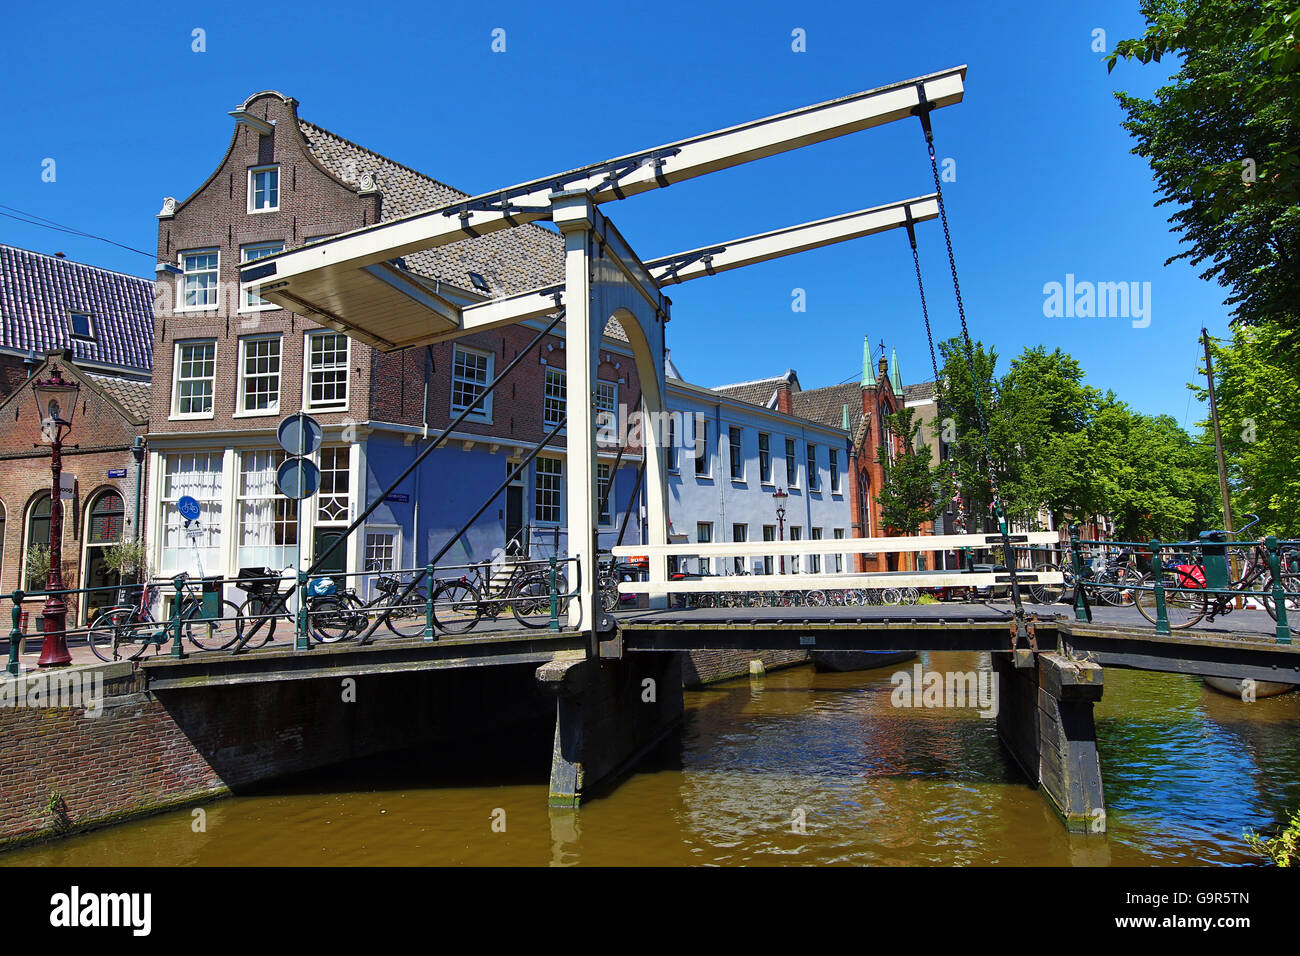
{"x": 399, "y": 499}
{"x": 297, "y": 478}
{"x": 117, "y": 472}
{"x": 188, "y": 507}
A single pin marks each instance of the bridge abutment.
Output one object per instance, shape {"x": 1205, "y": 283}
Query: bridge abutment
{"x": 1045, "y": 719}
{"x": 608, "y": 714}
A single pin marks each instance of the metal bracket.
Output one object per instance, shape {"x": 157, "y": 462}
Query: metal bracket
{"x": 1024, "y": 641}
{"x": 669, "y": 275}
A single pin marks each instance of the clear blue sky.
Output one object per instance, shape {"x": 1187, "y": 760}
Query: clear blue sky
{"x": 1045, "y": 182}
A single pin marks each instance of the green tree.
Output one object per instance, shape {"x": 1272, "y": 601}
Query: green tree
{"x": 1223, "y": 139}
{"x": 913, "y": 492}
{"x": 1257, "y": 381}
{"x": 1151, "y": 474}
{"x": 959, "y": 424}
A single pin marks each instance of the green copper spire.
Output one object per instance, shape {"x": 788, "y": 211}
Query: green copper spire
{"x": 868, "y": 367}
{"x": 895, "y": 380}
{"x": 844, "y": 419}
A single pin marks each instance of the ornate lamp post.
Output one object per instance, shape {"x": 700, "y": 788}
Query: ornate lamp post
{"x": 779, "y": 497}
{"x": 56, "y": 403}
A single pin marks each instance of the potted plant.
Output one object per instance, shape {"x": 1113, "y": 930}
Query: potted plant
{"x": 130, "y": 559}
{"x": 38, "y": 566}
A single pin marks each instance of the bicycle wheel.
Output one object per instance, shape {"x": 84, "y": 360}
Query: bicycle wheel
{"x": 530, "y": 599}
{"x": 815, "y": 598}
{"x": 891, "y": 596}
{"x": 910, "y": 595}
{"x": 1120, "y": 596}
{"x": 609, "y": 593}
{"x": 211, "y": 635}
{"x": 1185, "y": 599}
{"x": 457, "y": 607}
{"x": 117, "y": 633}
{"x": 336, "y": 617}
{"x": 409, "y": 617}
{"x": 1046, "y": 593}
{"x": 1290, "y": 584}
{"x": 256, "y": 618}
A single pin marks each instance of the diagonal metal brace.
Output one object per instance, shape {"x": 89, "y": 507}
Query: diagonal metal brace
{"x": 669, "y": 274}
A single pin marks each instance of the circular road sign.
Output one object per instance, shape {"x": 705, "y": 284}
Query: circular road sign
{"x": 299, "y": 434}
{"x": 188, "y": 507}
{"x": 297, "y": 478}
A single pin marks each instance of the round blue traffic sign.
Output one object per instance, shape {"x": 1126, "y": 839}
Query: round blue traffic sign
{"x": 188, "y": 507}
{"x": 297, "y": 478}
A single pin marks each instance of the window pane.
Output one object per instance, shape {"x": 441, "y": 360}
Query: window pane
{"x": 268, "y": 521}
{"x": 199, "y": 476}
{"x": 332, "y": 501}
{"x": 469, "y": 378}
{"x": 261, "y": 374}
{"x": 195, "y": 368}
{"x": 548, "y": 476}
{"x": 327, "y": 380}
{"x": 553, "y": 402}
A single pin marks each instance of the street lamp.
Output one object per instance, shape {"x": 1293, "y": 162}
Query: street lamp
{"x": 779, "y": 497}
{"x": 56, "y": 403}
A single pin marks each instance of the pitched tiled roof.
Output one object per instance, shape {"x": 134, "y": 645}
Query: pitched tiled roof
{"x": 38, "y": 291}
{"x": 131, "y": 394}
{"x": 760, "y": 391}
{"x": 510, "y": 261}
{"x": 826, "y": 405}
{"x": 918, "y": 392}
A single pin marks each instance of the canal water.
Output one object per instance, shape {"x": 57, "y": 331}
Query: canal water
{"x": 1186, "y": 771}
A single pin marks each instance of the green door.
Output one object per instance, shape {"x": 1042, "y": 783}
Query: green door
{"x": 337, "y": 562}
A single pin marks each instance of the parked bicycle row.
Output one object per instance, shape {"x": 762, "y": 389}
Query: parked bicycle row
{"x": 534, "y": 593}
{"x": 816, "y": 597}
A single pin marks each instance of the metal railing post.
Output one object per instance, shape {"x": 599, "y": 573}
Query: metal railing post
{"x": 301, "y": 641}
{"x": 555, "y": 599}
{"x": 1157, "y": 576}
{"x": 1279, "y": 590}
{"x": 428, "y": 602}
{"x": 178, "y": 583}
{"x": 15, "y": 666}
{"x": 1081, "y": 610}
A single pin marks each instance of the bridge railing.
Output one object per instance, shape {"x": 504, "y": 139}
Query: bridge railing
{"x": 125, "y": 625}
{"x": 1188, "y": 559}
{"x": 823, "y": 547}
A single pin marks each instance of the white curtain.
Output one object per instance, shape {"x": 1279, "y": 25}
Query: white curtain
{"x": 199, "y": 476}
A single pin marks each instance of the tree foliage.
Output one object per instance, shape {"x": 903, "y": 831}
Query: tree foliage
{"x": 1223, "y": 139}
{"x": 1257, "y": 382}
{"x": 1062, "y": 447}
{"x": 913, "y": 491}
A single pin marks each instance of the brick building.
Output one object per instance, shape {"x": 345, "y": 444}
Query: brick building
{"x": 96, "y": 326}
{"x": 230, "y": 367}
{"x": 860, "y": 409}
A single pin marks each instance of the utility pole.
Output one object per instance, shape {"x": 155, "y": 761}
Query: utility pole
{"x": 1218, "y": 436}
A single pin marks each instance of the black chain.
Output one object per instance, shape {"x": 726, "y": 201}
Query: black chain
{"x": 924, "y": 113}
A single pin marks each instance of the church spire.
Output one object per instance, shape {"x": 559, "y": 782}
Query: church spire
{"x": 868, "y": 368}
{"x": 895, "y": 379}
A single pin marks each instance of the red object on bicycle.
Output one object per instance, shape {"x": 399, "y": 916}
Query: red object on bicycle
{"x": 1193, "y": 571}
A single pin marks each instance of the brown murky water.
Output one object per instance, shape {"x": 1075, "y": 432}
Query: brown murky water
{"x": 1186, "y": 771}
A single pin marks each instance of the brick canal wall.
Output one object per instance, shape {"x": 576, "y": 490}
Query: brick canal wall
{"x": 710, "y": 666}
{"x": 63, "y": 769}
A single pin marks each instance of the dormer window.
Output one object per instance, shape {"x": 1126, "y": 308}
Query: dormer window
{"x": 80, "y": 325}
{"x": 264, "y": 189}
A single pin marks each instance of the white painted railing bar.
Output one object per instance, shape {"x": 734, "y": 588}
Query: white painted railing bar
{"x": 937, "y": 542}
{"x": 807, "y": 582}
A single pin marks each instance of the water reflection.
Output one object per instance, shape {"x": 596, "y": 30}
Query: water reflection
{"x": 792, "y": 768}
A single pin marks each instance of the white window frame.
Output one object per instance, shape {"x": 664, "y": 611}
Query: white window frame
{"x": 558, "y": 374}
{"x": 290, "y": 553}
{"x": 837, "y": 476}
{"x": 395, "y": 531}
{"x": 814, "y": 560}
{"x": 246, "y": 303}
{"x": 765, "y": 479}
{"x": 176, "y": 380}
{"x": 484, "y": 416}
{"x": 321, "y": 496}
{"x": 559, "y": 490}
{"x": 791, "y": 455}
{"x": 274, "y": 407}
{"x": 307, "y": 404}
{"x": 598, "y": 406}
{"x": 736, "y": 453}
{"x": 212, "y": 516}
{"x": 605, "y": 519}
{"x": 90, "y": 325}
{"x": 252, "y": 173}
{"x": 703, "y": 457}
{"x": 814, "y": 470}
{"x": 215, "y": 271}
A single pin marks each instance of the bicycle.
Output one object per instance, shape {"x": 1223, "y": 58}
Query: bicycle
{"x": 337, "y": 614}
{"x": 1187, "y": 601}
{"x": 459, "y": 604}
{"x": 127, "y": 624}
{"x": 329, "y": 618}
